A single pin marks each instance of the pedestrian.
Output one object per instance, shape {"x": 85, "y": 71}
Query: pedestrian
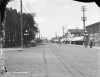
{"x": 86, "y": 44}
{"x": 59, "y": 41}
{"x": 91, "y": 44}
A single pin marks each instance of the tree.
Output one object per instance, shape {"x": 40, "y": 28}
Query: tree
{"x": 29, "y": 24}
{"x": 3, "y": 4}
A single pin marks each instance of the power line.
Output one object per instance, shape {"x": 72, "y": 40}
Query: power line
{"x": 28, "y": 5}
{"x": 24, "y": 8}
{"x": 73, "y": 18}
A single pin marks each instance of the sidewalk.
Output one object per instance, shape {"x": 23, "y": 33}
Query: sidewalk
{"x": 15, "y": 48}
{"x": 29, "y": 63}
{"x": 95, "y": 47}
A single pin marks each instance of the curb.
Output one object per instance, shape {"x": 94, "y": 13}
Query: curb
{"x": 85, "y": 47}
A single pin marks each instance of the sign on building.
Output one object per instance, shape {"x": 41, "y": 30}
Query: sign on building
{"x": 91, "y": 37}
{"x": 70, "y": 35}
{"x": 94, "y": 37}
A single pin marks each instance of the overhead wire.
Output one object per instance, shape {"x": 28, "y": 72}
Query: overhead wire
{"x": 74, "y": 16}
{"x": 24, "y": 8}
{"x": 28, "y": 6}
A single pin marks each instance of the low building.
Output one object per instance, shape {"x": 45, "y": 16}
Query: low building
{"x": 75, "y": 36}
{"x": 76, "y": 32}
{"x": 93, "y": 32}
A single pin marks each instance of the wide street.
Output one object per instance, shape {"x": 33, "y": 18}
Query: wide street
{"x": 52, "y": 60}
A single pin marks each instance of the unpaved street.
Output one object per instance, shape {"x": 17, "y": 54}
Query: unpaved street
{"x": 52, "y": 60}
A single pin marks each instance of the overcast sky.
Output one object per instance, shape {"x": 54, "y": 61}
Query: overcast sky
{"x": 52, "y": 15}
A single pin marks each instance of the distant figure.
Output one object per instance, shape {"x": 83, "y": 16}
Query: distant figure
{"x": 86, "y": 44}
{"x": 59, "y": 41}
{"x": 91, "y": 44}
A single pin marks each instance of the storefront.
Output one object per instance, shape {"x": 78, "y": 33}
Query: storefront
{"x": 93, "y": 33}
{"x": 78, "y": 40}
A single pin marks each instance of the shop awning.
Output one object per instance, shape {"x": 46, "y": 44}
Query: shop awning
{"x": 78, "y": 38}
{"x": 70, "y": 39}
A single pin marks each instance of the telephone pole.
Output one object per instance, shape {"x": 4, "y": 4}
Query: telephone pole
{"x": 39, "y": 33}
{"x": 21, "y": 25}
{"x": 83, "y": 19}
{"x": 66, "y": 28}
{"x": 63, "y": 30}
{"x": 56, "y": 34}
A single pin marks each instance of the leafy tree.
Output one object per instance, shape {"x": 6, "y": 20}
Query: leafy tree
{"x": 29, "y": 24}
{"x": 3, "y": 4}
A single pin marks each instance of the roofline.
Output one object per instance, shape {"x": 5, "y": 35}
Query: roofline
{"x": 93, "y": 24}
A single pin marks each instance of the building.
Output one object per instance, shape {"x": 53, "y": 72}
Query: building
{"x": 12, "y": 28}
{"x": 75, "y": 36}
{"x": 93, "y": 32}
{"x": 76, "y": 32}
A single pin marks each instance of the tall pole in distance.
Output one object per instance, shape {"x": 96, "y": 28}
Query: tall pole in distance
{"x": 21, "y": 25}
{"x": 39, "y": 34}
{"x": 77, "y": 30}
{"x": 56, "y": 35}
{"x": 37, "y": 28}
{"x": 66, "y": 28}
{"x": 84, "y": 18}
{"x": 63, "y": 30}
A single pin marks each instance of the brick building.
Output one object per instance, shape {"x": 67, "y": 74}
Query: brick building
{"x": 12, "y": 28}
{"x": 93, "y": 32}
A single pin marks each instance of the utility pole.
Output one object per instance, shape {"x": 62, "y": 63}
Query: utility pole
{"x": 37, "y": 28}
{"x": 21, "y": 25}
{"x": 39, "y": 33}
{"x": 77, "y": 30}
{"x": 66, "y": 28}
{"x": 84, "y": 18}
{"x": 56, "y": 35}
{"x": 63, "y": 30}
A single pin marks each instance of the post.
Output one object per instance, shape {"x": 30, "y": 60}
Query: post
{"x": 21, "y": 25}
{"x": 39, "y": 33}
{"x": 66, "y": 28}
{"x": 56, "y": 36}
{"x": 37, "y": 28}
{"x": 83, "y": 9}
{"x": 26, "y": 40}
{"x": 63, "y": 30}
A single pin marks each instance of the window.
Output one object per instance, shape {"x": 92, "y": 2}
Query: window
{"x": 9, "y": 23}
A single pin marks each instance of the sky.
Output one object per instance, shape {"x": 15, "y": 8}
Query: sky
{"x": 52, "y": 15}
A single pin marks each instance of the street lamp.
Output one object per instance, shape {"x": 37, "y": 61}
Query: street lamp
{"x": 26, "y": 33}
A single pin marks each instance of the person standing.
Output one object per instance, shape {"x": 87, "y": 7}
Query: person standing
{"x": 91, "y": 44}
